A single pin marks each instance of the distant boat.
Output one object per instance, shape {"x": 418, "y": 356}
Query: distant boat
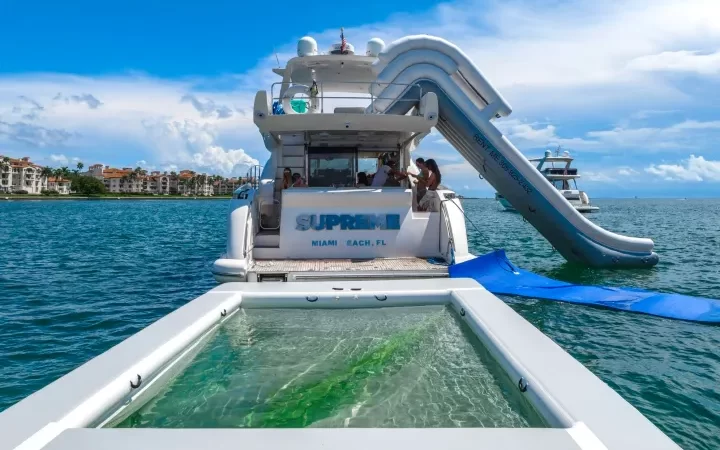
{"x": 560, "y": 177}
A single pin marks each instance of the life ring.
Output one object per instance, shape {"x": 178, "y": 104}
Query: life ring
{"x": 294, "y": 90}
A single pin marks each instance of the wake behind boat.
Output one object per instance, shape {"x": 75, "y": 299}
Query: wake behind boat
{"x": 558, "y": 172}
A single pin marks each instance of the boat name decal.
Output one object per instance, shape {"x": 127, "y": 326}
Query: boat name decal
{"x": 504, "y": 165}
{"x": 306, "y": 222}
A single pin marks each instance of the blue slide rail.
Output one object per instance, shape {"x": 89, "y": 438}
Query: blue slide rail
{"x": 501, "y": 277}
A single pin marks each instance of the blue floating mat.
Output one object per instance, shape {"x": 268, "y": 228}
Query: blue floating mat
{"x": 499, "y": 276}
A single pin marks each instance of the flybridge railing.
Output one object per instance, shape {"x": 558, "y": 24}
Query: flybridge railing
{"x": 314, "y": 96}
{"x": 253, "y": 176}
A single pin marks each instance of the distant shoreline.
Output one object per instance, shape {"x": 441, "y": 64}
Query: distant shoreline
{"x": 106, "y": 197}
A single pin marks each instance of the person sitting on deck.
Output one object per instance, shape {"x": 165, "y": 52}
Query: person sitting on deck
{"x": 298, "y": 181}
{"x": 362, "y": 180}
{"x": 287, "y": 178}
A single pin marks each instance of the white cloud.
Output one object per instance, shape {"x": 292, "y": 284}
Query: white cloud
{"x": 695, "y": 168}
{"x": 527, "y": 132}
{"x": 29, "y": 109}
{"x": 462, "y": 169}
{"x": 535, "y": 135}
{"x": 59, "y": 160}
{"x": 648, "y": 113}
{"x": 652, "y": 138}
{"x": 574, "y": 59}
{"x": 627, "y": 171}
{"x": 194, "y": 143}
{"x": 679, "y": 61}
{"x": 208, "y": 108}
{"x": 33, "y": 135}
{"x": 601, "y": 177}
{"x": 87, "y": 99}
{"x": 82, "y": 121}
{"x": 62, "y": 159}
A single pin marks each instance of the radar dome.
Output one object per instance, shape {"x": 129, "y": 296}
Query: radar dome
{"x": 307, "y": 46}
{"x": 548, "y": 153}
{"x": 375, "y": 46}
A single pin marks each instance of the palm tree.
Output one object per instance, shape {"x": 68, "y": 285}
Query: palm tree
{"x": 78, "y": 167}
{"x": 203, "y": 184}
{"x": 133, "y": 177}
{"x": 5, "y": 166}
{"x": 60, "y": 174}
{"x": 46, "y": 173}
{"x": 136, "y": 174}
{"x": 221, "y": 181}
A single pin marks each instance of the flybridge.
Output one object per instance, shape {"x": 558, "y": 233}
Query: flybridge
{"x": 348, "y": 221}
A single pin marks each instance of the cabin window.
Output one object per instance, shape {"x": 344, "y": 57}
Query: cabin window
{"x": 561, "y": 184}
{"x": 331, "y": 167}
{"x": 339, "y": 167}
{"x": 367, "y": 162}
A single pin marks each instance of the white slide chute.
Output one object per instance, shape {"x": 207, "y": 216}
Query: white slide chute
{"x": 468, "y": 104}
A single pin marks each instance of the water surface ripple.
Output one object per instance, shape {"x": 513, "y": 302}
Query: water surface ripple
{"x": 77, "y": 277}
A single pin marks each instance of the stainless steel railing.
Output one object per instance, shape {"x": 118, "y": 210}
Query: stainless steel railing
{"x": 319, "y": 98}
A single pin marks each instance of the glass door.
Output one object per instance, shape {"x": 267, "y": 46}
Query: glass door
{"x": 331, "y": 167}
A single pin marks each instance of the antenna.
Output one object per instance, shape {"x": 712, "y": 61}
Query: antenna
{"x": 277, "y": 58}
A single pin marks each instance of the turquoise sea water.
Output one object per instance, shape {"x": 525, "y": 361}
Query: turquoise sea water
{"x": 77, "y": 277}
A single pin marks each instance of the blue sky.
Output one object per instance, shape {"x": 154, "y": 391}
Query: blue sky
{"x": 631, "y": 88}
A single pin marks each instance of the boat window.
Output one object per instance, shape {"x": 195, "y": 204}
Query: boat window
{"x": 367, "y": 162}
{"x": 331, "y": 167}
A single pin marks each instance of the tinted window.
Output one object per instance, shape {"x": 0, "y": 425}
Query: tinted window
{"x": 331, "y": 168}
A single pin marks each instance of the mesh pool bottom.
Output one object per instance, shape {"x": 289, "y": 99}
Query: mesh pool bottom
{"x": 415, "y": 367}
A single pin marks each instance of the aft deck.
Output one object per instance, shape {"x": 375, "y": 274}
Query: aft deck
{"x": 354, "y": 269}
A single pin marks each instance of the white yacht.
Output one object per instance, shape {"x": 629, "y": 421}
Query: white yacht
{"x": 340, "y": 321}
{"x": 558, "y": 172}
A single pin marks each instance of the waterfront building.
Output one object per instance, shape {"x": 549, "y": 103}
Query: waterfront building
{"x": 21, "y": 175}
{"x": 61, "y": 185}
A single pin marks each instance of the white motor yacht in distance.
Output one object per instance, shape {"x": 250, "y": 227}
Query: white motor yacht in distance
{"x": 332, "y": 249}
{"x": 563, "y": 177}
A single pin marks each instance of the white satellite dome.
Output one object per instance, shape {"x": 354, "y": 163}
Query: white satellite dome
{"x": 375, "y": 46}
{"x": 307, "y": 46}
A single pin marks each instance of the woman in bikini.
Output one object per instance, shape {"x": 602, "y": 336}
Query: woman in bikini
{"x": 431, "y": 201}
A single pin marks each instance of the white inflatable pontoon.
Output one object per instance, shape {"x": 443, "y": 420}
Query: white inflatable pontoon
{"x": 581, "y": 412}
